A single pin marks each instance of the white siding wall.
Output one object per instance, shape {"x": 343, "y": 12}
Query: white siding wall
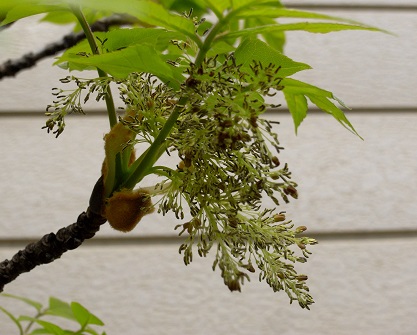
{"x": 357, "y": 197}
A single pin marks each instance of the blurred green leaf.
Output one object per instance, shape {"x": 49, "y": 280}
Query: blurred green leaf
{"x": 146, "y": 11}
{"x": 83, "y": 316}
{"x": 312, "y": 27}
{"x": 19, "y": 9}
{"x": 50, "y": 327}
{"x": 12, "y": 317}
{"x": 60, "y": 308}
{"x": 276, "y": 13}
{"x": 35, "y": 304}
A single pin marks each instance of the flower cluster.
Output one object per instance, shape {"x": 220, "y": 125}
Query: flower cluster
{"x": 71, "y": 100}
{"x": 228, "y": 164}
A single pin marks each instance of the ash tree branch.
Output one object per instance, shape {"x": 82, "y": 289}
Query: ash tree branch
{"x": 51, "y": 246}
{"x": 12, "y": 67}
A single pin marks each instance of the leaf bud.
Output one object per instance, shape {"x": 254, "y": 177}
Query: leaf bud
{"x": 124, "y": 209}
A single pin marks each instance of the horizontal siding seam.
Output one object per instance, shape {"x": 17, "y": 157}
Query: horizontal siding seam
{"x": 352, "y": 7}
{"x": 353, "y": 110}
{"x": 332, "y": 236}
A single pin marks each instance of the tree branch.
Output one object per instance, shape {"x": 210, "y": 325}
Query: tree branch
{"x": 51, "y": 246}
{"x": 11, "y": 67}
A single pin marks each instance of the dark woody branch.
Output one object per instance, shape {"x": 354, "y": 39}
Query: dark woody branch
{"x": 11, "y": 67}
{"x": 51, "y": 246}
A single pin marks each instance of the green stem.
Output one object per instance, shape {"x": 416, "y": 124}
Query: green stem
{"x": 208, "y": 42}
{"x": 214, "y": 32}
{"x": 111, "y": 110}
{"x": 115, "y": 170}
{"x": 143, "y": 167}
{"x": 155, "y": 150}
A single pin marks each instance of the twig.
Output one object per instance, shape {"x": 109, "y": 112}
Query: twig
{"x": 11, "y": 67}
{"x": 51, "y": 246}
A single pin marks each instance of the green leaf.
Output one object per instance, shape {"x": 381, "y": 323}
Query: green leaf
{"x": 255, "y": 49}
{"x": 136, "y": 58}
{"x": 318, "y": 96}
{"x": 12, "y": 317}
{"x": 220, "y": 48}
{"x": 326, "y": 105}
{"x": 218, "y": 6}
{"x": 50, "y": 327}
{"x": 60, "y": 308}
{"x": 239, "y": 4}
{"x": 273, "y": 39}
{"x": 60, "y": 17}
{"x": 274, "y": 12}
{"x": 184, "y": 6}
{"x": 297, "y": 104}
{"x": 35, "y": 304}
{"x": 19, "y": 9}
{"x": 146, "y": 11}
{"x": 312, "y": 27}
{"x": 298, "y": 87}
{"x": 121, "y": 38}
{"x": 83, "y": 316}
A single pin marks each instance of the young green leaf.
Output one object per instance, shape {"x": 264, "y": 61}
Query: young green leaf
{"x": 273, "y": 39}
{"x": 218, "y": 6}
{"x": 256, "y": 50}
{"x": 326, "y": 105}
{"x": 16, "y": 10}
{"x": 50, "y": 327}
{"x": 136, "y": 58}
{"x": 146, "y": 11}
{"x": 13, "y": 318}
{"x": 297, "y": 104}
{"x": 312, "y": 27}
{"x": 276, "y": 13}
{"x": 35, "y": 304}
{"x": 118, "y": 39}
{"x": 293, "y": 89}
{"x": 83, "y": 316}
{"x": 60, "y": 308}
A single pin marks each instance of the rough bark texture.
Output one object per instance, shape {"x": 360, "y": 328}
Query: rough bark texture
{"x": 11, "y": 67}
{"x": 51, "y": 246}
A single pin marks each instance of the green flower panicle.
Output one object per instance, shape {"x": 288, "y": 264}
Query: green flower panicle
{"x": 228, "y": 166}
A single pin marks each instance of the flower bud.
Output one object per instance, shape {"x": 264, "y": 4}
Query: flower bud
{"x": 301, "y": 245}
{"x": 302, "y": 277}
{"x": 300, "y": 229}
{"x": 275, "y": 160}
{"x": 279, "y": 217}
{"x": 291, "y": 190}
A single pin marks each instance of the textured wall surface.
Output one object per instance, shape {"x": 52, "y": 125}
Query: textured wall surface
{"x": 358, "y": 198}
